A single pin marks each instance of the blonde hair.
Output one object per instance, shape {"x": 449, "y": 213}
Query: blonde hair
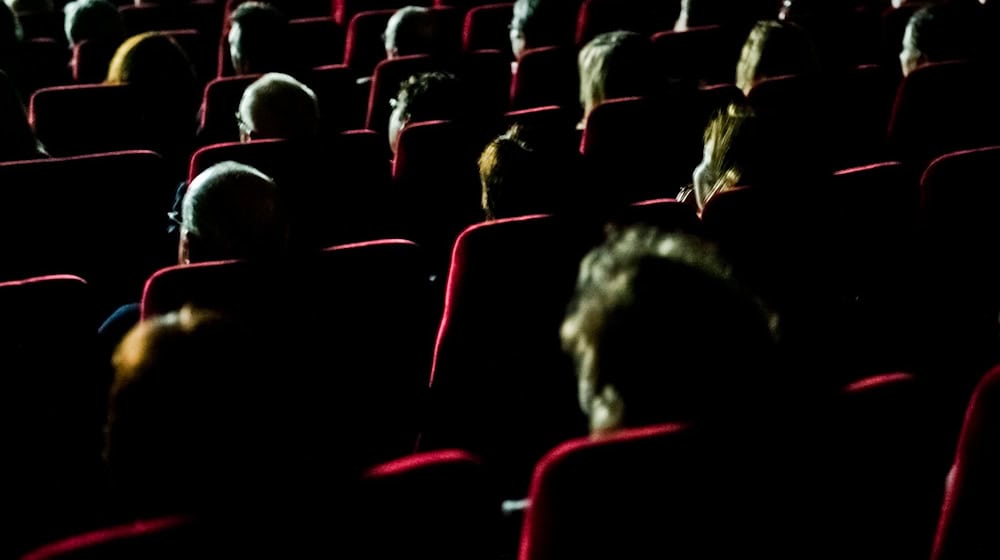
{"x": 735, "y": 142}
{"x": 775, "y": 48}
{"x": 613, "y": 65}
{"x": 151, "y": 59}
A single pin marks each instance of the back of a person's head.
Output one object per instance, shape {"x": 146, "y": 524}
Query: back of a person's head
{"x": 775, "y": 48}
{"x": 941, "y": 32}
{"x": 182, "y": 410}
{"x": 739, "y": 151}
{"x": 31, "y": 6}
{"x": 232, "y": 211}
{"x": 153, "y": 61}
{"x": 410, "y": 31}
{"x": 258, "y": 38}
{"x": 18, "y": 140}
{"x": 614, "y": 65}
{"x": 542, "y": 23}
{"x": 433, "y": 96}
{"x": 661, "y": 331}
{"x": 93, "y": 20}
{"x": 516, "y": 179}
{"x": 279, "y": 106}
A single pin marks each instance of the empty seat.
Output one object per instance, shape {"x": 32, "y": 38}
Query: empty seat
{"x": 343, "y": 103}
{"x": 357, "y": 314}
{"x": 365, "y": 46}
{"x": 101, "y": 217}
{"x": 941, "y": 108}
{"x": 629, "y": 161}
{"x": 430, "y": 505}
{"x": 486, "y": 27}
{"x": 546, "y": 76}
{"x": 885, "y": 466}
{"x": 508, "y": 287}
{"x": 969, "y": 516}
{"x": 41, "y": 62}
{"x": 318, "y": 41}
{"x": 666, "y": 491}
{"x": 117, "y": 118}
{"x": 436, "y": 183}
{"x": 220, "y": 103}
{"x": 51, "y": 409}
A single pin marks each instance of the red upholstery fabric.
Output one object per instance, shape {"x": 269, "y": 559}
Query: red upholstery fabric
{"x": 220, "y": 103}
{"x": 485, "y": 27}
{"x": 601, "y": 16}
{"x": 51, "y": 410}
{"x": 969, "y": 516}
{"x": 430, "y": 505}
{"x": 508, "y": 287}
{"x": 153, "y": 538}
{"x": 99, "y": 216}
{"x": 546, "y": 76}
{"x": 358, "y": 314}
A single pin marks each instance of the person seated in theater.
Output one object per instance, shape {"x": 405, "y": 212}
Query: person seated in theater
{"x": 232, "y": 211}
{"x": 519, "y": 178}
{"x": 775, "y": 48}
{"x": 201, "y": 424}
{"x": 259, "y": 39}
{"x": 160, "y": 73}
{"x": 743, "y": 149}
{"x": 278, "y": 106}
{"x": 542, "y": 23}
{"x": 183, "y": 414}
{"x": 937, "y": 33}
{"x": 614, "y": 65}
{"x": 661, "y": 331}
{"x": 93, "y": 20}
{"x": 429, "y": 96}
{"x": 410, "y": 31}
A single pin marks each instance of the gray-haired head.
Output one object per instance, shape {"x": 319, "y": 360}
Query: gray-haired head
{"x": 232, "y": 211}
{"x": 278, "y": 106}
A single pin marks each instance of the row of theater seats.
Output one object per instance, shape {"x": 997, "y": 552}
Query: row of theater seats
{"x": 53, "y": 207}
{"x": 671, "y": 490}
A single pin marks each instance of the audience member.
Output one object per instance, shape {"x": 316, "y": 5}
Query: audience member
{"x": 18, "y": 141}
{"x": 258, "y": 39}
{"x": 516, "y": 178}
{"x": 936, "y": 33}
{"x": 736, "y": 154}
{"x": 231, "y": 211}
{"x": 93, "y": 20}
{"x": 614, "y": 65}
{"x": 410, "y": 31}
{"x": 184, "y": 415}
{"x": 278, "y": 106}
{"x": 160, "y": 72}
{"x": 426, "y": 97}
{"x": 660, "y": 331}
{"x": 775, "y": 48}
{"x": 542, "y": 23}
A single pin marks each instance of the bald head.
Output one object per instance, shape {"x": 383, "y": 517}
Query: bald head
{"x": 231, "y": 211}
{"x": 409, "y": 31}
{"x": 278, "y": 106}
